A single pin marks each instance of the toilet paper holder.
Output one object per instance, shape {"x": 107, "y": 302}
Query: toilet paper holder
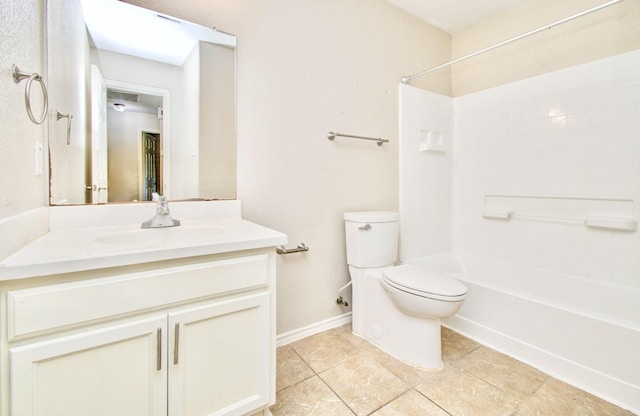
{"x": 301, "y": 247}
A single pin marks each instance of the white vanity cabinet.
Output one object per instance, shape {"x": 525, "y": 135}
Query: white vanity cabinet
{"x": 219, "y": 359}
{"x": 185, "y": 337}
{"x": 104, "y": 372}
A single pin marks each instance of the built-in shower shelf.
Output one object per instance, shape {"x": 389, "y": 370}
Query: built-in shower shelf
{"x": 605, "y": 213}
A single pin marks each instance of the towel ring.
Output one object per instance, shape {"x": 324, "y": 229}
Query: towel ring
{"x": 19, "y": 75}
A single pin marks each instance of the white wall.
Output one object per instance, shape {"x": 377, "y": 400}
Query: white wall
{"x": 334, "y": 67}
{"x": 569, "y": 133}
{"x": 217, "y": 153}
{"x": 21, "y": 190}
{"x": 184, "y": 170}
{"x": 305, "y": 68}
{"x": 67, "y": 88}
{"x": 124, "y": 152}
{"x": 425, "y": 172}
{"x": 21, "y": 40}
{"x": 604, "y": 33}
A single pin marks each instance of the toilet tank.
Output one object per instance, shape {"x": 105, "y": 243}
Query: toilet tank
{"x": 372, "y": 238}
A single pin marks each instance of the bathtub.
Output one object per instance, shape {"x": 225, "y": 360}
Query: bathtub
{"x": 580, "y": 331}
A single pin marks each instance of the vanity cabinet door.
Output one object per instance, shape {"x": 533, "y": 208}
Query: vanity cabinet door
{"x": 119, "y": 370}
{"x": 219, "y": 358}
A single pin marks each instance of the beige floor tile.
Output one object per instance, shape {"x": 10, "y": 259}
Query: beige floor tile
{"x": 356, "y": 377}
{"x": 326, "y": 349}
{"x": 455, "y": 346}
{"x": 409, "y": 404}
{"x": 364, "y": 384}
{"x": 408, "y": 373}
{"x": 558, "y": 398}
{"x": 311, "y": 397}
{"x": 358, "y": 342}
{"x": 461, "y": 393}
{"x": 504, "y": 372}
{"x": 290, "y": 368}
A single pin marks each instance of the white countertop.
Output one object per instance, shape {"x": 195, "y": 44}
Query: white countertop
{"x": 67, "y": 250}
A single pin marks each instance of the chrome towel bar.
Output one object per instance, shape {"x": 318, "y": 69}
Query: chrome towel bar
{"x": 19, "y": 75}
{"x": 282, "y": 250}
{"x": 332, "y": 135}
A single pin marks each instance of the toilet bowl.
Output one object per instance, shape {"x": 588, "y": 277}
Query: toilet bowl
{"x": 420, "y": 292}
{"x": 397, "y": 307}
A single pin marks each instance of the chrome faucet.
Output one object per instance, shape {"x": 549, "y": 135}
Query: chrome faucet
{"x": 162, "y": 217}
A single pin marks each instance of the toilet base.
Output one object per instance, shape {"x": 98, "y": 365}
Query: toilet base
{"x": 416, "y": 341}
{"x": 422, "y": 347}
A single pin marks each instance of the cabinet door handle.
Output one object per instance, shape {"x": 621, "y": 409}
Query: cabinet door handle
{"x": 176, "y": 343}
{"x": 159, "y": 349}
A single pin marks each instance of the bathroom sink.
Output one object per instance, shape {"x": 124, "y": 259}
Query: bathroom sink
{"x": 160, "y": 237}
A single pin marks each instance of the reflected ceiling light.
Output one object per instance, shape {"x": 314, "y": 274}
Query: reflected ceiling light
{"x": 119, "y": 107}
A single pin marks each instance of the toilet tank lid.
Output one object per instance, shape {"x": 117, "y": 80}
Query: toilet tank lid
{"x": 372, "y": 216}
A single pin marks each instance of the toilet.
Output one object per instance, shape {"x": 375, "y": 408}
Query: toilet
{"x": 397, "y": 307}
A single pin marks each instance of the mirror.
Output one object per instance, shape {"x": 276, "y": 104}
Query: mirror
{"x": 151, "y": 102}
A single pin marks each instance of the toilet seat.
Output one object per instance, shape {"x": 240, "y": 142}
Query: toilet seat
{"x": 423, "y": 282}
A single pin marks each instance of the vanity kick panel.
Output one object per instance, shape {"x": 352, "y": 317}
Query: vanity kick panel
{"x": 44, "y": 308}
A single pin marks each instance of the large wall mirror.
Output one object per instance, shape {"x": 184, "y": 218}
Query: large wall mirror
{"x": 140, "y": 103}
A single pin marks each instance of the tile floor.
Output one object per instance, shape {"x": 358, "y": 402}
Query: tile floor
{"x": 335, "y": 373}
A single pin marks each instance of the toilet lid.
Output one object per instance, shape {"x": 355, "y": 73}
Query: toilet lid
{"x": 424, "y": 282}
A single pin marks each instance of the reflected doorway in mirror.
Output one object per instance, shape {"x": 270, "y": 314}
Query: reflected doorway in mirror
{"x": 151, "y": 165}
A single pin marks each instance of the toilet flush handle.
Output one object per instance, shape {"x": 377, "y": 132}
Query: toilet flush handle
{"x": 365, "y": 227}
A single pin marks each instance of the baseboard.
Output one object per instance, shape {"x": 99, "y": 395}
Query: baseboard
{"x": 297, "y": 334}
{"x": 263, "y": 412}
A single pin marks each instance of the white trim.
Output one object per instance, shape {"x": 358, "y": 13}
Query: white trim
{"x": 297, "y": 334}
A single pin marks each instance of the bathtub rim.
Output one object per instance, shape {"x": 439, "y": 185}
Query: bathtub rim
{"x": 460, "y": 271}
{"x": 608, "y": 387}
{"x": 611, "y": 389}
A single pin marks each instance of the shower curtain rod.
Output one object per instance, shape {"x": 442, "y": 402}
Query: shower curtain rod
{"x": 405, "y": 79}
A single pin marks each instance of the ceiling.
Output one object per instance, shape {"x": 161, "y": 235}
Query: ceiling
{"x": 124, "y": 28}
{"x": 453, "y": 15}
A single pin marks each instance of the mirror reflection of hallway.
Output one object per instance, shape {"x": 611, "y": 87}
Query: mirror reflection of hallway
{"x": 196, "y": 78}
{"x": 136, "y": 120}
{"x": 151, "y": 165}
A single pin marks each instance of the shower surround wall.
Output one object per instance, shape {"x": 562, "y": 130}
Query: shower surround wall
{"x": 570, "y": 133}
{"x": 425, "y": 174}
{"x": 573, "y": 133}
